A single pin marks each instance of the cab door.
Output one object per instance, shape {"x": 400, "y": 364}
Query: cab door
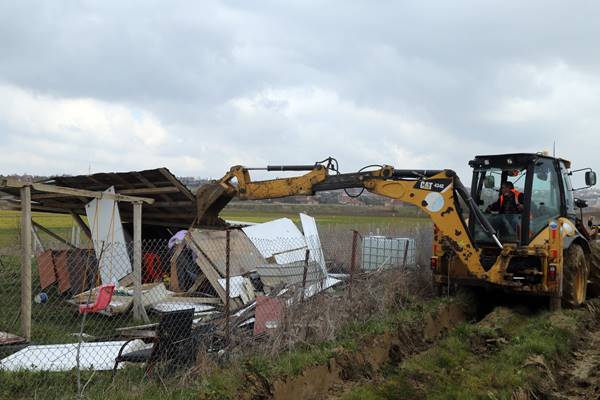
{"x": 545, "y": 194}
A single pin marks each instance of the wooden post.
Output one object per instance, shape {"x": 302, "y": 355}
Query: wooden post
{"x": 405, "y": 254}
{"x": 174, "y": 281}
{"x": 139, "y": 313}
{"x": 84, "y": 228}
{"x": 26, "y": 262}
{"x": 37, "y": 246}
{"x": 304, "y": 273}
{"x": 352, "y": 261}
{"x": 227, "y": 283}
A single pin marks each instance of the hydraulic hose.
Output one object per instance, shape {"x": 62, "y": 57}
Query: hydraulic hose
{"x": 475, "y": 211}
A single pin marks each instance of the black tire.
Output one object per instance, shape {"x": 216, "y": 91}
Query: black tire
{"x": 575, "y": 275}
{"x": 594, "y": 275}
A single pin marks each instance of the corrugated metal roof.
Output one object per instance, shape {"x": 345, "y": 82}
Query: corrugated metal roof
{"x": 174, "y": 205}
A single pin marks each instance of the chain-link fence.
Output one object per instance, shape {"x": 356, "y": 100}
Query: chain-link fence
{"x": 199, "y": 294}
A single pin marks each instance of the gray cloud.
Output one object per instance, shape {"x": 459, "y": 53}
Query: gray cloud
{"x": 200, "y": 86}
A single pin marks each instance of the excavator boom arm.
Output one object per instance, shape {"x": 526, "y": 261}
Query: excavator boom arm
{"x": 436, "y": 192}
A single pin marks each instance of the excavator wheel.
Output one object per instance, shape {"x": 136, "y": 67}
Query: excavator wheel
{"x": 594, "y": 276}
{"x": 575, "y": 274}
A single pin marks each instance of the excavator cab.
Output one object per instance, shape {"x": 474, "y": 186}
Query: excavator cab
{"x": 542, "y": 185}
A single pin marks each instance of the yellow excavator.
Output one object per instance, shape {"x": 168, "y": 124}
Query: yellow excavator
{"x": 542, "y": 249}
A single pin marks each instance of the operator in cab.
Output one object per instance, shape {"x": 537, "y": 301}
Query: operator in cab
{"x": 509, "y": 202}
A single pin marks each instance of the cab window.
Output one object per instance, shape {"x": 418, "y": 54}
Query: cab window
{"x": 489, "y": 187}
{"x": 545, "y": 196}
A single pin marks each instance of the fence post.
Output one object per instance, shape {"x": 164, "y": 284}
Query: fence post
{"x": 227, "y": 288}
{"x": 26, "y": 262}
{"x": 405, "y": 254}
{"x": 352, "y": 261}
{"x": 139, "y": 313}
{"x": 304, "y": 273}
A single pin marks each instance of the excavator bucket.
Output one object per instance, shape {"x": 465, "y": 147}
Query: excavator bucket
{"x": 210, "y": 200}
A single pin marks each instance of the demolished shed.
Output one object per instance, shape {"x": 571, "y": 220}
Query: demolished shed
{"x": 172, "y": 204}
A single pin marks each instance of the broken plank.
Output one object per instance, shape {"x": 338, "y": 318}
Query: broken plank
{"x": 54, "y": 235}
{"x": 199, "y": 281}
{"x": 150, "y": 190}
{"x": 127, "y": 280}
{"x": 174, "y": 282}
{"x": 82, "y": 225}
{"x": 211, "y": 273}
{"x": 137, "y": 327}
{"x": 42, "y": 187}
{"x": 201, "y": 300}
{"x": 182, "y": 188}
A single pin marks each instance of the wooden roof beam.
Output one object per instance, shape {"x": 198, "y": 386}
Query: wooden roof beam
{"x": 178, "y": 184}
{"x": 42, "y": 187}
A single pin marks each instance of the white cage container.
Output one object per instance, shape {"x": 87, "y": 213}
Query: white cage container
{"x": 380, "y": 252}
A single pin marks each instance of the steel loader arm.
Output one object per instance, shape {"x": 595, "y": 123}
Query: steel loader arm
{"x": 435, "y": 192}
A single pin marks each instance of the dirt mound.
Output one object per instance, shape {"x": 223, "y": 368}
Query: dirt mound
{"x": 447, "y": 317}
{"x": 497, "y": 319}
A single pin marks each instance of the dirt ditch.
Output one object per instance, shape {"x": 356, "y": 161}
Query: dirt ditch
{"x": 560, "y": 355}
{"x": 348, "y": 367}
{"x": 531, "y": 339}
{"x": 579, "y": 377}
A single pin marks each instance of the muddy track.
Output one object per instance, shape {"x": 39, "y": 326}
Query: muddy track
{"x": 579, "y": 378}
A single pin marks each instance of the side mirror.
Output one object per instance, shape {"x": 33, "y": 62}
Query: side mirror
{"x": 489, "y": 182}
{"x": 590, "y": 178}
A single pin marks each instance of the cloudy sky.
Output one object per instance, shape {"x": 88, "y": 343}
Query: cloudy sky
{"x": 200, "y": 86}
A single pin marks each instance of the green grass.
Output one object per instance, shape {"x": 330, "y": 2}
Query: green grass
{"x": 11, "y": 219}
{"x": 10, "y": 226}
{"x": 464, "y": 366}
{"x": 249, "y": 216}
{"x": 326, "y": 215}
{"x": 129, "y": 383}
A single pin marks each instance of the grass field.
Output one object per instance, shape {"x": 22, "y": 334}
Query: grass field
{"x": 264, "y": 216}
{"x": 361, "y": 218}
{"x": 10, "y": 226}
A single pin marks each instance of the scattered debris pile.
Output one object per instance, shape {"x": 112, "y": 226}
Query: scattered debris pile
{"x": 236, "y": 280}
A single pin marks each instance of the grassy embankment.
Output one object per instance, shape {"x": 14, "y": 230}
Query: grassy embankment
{"x": 497, "y": 360}
{"x": 506, "y": 354}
